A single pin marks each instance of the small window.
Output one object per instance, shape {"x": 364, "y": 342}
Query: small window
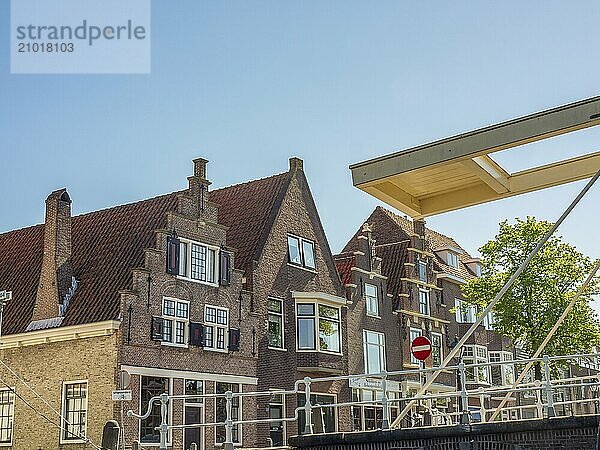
{"x": 74, "y": 406}
{"x": 216, "y": 328}
{"x": 424, "y": 302}
{"x": 452, "y": 259}
{"x": 372, "y": 300}
{"x": 423, "y": 271}
{"x": 198, "y": 262}
{"x": 374, "y": 351}
{"x": 465, "y": 312}
{"x": 275, "y": 313}
{"x": 436, "y": 349}
{"x": 301, "y": 252}
{"x": 7, "y": 415}
{"x": 175, "y": 327}
{"x": 414, "y": 333}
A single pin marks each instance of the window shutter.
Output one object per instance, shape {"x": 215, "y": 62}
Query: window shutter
{"x": 157, "y": 329}
{"x": 234, "y": 340}
{"x": 196, "y": 334}
{"x": 225, "y": 268}
{"x": 172, "y": 255}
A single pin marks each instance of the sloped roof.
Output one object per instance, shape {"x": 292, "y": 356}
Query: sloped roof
{"x": 107, "y": 244}
{"x": 344, "y": 263}
{"x": 390, "y": 228}
{"x": 393, "y": 257}
{"x": 249, "y": 209}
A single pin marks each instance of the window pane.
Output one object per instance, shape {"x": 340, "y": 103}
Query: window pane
{"x": 221, "y": 411}
{"x": 208, "y": 336}
{"x": 423, "y": 272}
{"x": 306, "y": 309}
{"x": 327, "y": 311}
{"x": 220, "y": 338}
{"x": 329, "y": 335}
{"x": 75, "y": 406}
{"x": 371, "y": 298}
{"x": 221, "y": 317}
{"x": 294, "y": 250}
{"x": 309, "y": 254}
{"x": 210, "y": 315}
{"x": 198, "y": 258}
{"x": 6, "y": 415}
{"x": 182, "y": 310}
{"x": 275, "y": 331}
{"x": 210, "y": 266}
{"x": 274, "y": 305}
{"x": 183, "y": 257}
{"x": 167, "y": 330}
{"x": 180, "y": 332}
{"x": 306, "y": 334}
{"x": 168, "y": 307}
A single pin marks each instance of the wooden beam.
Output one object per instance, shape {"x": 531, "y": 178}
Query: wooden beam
{"x": 490, "y": 172}
{"x": 391, "y": 194}
{"x": 534, "y": 127}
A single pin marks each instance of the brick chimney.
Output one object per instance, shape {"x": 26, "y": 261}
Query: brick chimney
{"x": 296, "y": 164}
{"x": 57, "y": 272}
{"x": 419, "y": 231}
{"x": 198, "y": 184}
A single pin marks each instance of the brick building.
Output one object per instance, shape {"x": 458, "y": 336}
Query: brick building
{"x": 415, "y": 275}
{"x": 193, "y": 292}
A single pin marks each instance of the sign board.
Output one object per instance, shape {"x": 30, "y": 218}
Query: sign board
{"x": 421, "y": 348}
{"x": 373, "y": 383}
{"x": 124, "y": 379}
{"x": 122, "y": 395}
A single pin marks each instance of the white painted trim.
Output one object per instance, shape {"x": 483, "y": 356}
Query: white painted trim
{"x": 452, "y": 278}
{"x": 319, "y": 297}
{"x": 58, "y": 334}
{"x": 11, "y": 390}
{"x": 186, "y": 374}
{"x": 366, "y": 272}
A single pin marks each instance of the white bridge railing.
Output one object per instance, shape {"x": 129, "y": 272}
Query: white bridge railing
{"x": 464, "y": 405}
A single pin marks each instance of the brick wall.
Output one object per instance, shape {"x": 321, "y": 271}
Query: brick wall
{"x": 45, "y": 367}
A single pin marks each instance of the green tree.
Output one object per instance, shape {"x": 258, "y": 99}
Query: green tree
{"x": 532, "y": 306}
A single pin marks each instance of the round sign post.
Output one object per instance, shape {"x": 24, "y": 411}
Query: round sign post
{"x": 421, "y": 348}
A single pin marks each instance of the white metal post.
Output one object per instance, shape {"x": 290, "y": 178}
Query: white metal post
{"x": 164, "y": 426}
{"x": 228, "y": 445}
{"x": 549, "y": 395}
{"x": 385, "y": 424}
{"x": 308, "y": 427}
{"x": 464, "y": 399}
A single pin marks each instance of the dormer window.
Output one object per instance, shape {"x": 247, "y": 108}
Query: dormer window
{"x": 301, "y": 252}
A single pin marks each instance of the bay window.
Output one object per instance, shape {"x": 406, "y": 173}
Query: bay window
{"x": 476, "y": 354}
{"x": 318, "y": 323}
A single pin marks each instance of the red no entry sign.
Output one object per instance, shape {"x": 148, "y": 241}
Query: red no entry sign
{"x": 421, "y": 348}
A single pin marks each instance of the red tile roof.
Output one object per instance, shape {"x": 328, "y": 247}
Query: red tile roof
{"x": 248, "y": 210}
{"x": 344, "y": 263}
{"x": 107, "y": 244}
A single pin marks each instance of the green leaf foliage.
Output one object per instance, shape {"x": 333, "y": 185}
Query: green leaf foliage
{"x": 533, "y": 305}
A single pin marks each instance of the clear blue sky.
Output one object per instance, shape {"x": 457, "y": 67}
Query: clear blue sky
{"x": 248, "y": 84}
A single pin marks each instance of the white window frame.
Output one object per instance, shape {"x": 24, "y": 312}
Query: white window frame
{"x": 465, "y": 312}
{"x": 488, "y": 321}
{"x": 316, "y": 320}
{"x": 241, "y": 415}
{"x": 380, "y": 347}
{"x": 215, "y": 326}
{"x": 369, "y": 300}
{"x": 422, "y": 265}
{"x": 427, "y": 305}
{"x": 475, "y": 358}
{"x": 333, "y": 408}
{"x": 11, "y": 414}
{"x": 174, "y": 319}
{"x": 301, "y": 242}
{"x": 63, "y": 409}
{"x": 452, "y": 259}
{"x": 413, "y": 336}
{"x": 145, "y": 407}
{"x": 434, "y": 333}
{"x": 281, "y": 315}
{"x": 499, "y": 357}
{"x": 283, "y": 410}
{"x": 185, "y": 261}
